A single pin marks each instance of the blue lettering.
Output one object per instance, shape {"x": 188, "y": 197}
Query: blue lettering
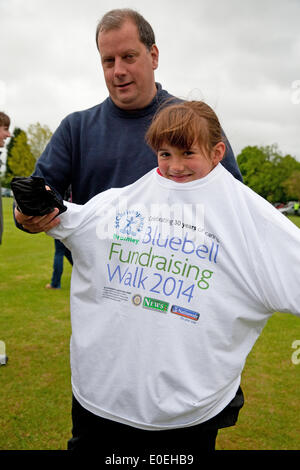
{"x": 175, "y": 241}
{"x": 202, "y": 249}
{"x": 142, "y": 280}
{"x": 127, "y": 277}
{"x": 117, "y": 270}
{"x": 149, "y": 236}
{"x": 185, "y": 242}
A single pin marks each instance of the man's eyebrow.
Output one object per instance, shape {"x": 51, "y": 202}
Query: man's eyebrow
{"x": 107, "y": 56}
{"x": 123, "y": 53}
{"x": 130, "y": 51}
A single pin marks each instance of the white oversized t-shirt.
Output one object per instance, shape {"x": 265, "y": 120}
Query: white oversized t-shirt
{"x": 171, "y": 286}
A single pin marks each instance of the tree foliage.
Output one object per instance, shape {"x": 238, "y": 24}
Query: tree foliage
{"x": 292, "y": 185}
{"x": 9, "y": 147}
{"x": 24, "y": 149}
{"x": 21, "y": 161}
{"x": 268, "y": 173}
{"x": 38, "y": 137}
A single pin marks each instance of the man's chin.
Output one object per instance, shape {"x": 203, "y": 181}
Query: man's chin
{"x": 125, "y": 101}
{"x": 130, "y": 101}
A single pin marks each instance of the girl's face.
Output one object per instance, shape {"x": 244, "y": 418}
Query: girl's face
{"x": 184, "y": 165}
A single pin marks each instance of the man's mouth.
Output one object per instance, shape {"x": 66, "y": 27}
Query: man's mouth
{"x": 124, "y": 85}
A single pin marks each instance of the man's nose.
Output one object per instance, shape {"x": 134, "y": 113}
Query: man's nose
{"x": 119, "y": 69}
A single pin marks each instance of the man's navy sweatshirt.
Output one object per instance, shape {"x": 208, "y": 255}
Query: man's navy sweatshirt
{"x": 104, "y": 147}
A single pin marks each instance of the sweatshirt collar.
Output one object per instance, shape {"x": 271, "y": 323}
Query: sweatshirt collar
{"x": 152, "y": 106}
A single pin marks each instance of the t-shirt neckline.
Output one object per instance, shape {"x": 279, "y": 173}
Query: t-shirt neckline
{"x": 190, "y": 185}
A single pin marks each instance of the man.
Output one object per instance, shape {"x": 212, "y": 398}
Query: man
{"x": 98, "y": 148}
{"x": 104, "y": 147}
{"x": 4, "y": 134}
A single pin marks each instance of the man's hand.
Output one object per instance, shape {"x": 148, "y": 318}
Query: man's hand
{"x": 37, "y": 224}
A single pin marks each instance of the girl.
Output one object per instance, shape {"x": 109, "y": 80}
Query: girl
{"x": 174, "y": 278}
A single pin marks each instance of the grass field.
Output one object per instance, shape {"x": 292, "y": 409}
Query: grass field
{"x": 35, "y": 384}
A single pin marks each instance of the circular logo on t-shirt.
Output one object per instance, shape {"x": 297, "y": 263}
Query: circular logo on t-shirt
{"x": 129, "y": 222}
{"x": 136, "y": 299}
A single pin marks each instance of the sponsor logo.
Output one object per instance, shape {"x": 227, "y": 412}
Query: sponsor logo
{"x": 136, "y": 299}
{"x": 184, "y": 312}
{"x": 154, "y": 304}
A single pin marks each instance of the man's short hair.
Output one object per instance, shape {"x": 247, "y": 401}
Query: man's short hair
{"x": 114, "y": 19}
{"x": 4, "y": 119}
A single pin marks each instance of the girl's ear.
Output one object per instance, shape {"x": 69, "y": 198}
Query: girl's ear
{"x": 218, "y": 152}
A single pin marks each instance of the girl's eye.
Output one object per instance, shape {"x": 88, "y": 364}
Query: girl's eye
{"x": 164, "y": 154}
{"x": 188, "y": 153}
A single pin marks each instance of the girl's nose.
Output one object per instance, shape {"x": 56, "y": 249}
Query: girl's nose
{"x": 177, "y": 165}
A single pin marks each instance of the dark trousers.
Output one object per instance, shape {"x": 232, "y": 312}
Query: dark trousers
{"x": 58, "y": 262}
{"x": 94, "y": 434}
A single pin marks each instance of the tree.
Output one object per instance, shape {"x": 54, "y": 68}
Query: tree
{"x": 292, "y": 185}
{"x": 21, "y": 161}
{"x": 256, "y": 168}
{"x": 264, "y": 170}
{"x": 32, "y": 144}
{"x": 284, "y": 167}
{"x": 8, "y": 173}
{"x": 38, "y": 137}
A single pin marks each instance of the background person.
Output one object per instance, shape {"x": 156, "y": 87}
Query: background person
{"x": 4, "y": 134}
{"x": 60, "y": 251}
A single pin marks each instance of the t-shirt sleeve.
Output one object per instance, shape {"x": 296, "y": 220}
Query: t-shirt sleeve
{"x": 77, "y": 216}
{"x": 70, "y": 220}
{"x": 279, "y": 265}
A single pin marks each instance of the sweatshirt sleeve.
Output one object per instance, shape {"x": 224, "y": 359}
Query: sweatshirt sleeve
{"x": 229, "y": 162}
{"x": 55, "y": 164}
{"x": 279, "y": 265}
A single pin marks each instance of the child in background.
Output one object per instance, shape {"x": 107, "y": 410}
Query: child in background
{"x": 4, "y": 134}
{"x": 163, "y": 319}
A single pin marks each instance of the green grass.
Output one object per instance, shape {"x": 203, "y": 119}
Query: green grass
{"x": 35, "y": 384}
{"x": 35, "y": 326}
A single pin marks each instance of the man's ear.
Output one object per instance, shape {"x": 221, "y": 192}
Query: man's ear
{"x": 218, "y": 152}
{"x": 155, "y": 55}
